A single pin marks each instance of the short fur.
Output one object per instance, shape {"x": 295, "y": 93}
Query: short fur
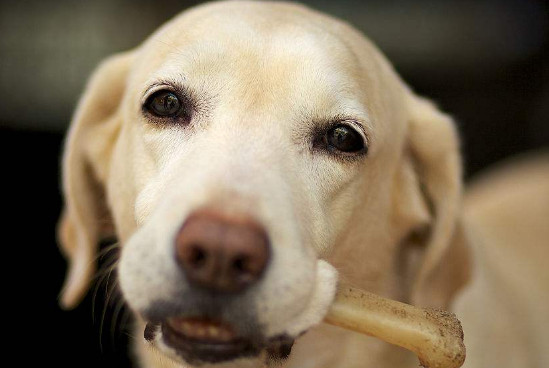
{"x": 264, "y": 76}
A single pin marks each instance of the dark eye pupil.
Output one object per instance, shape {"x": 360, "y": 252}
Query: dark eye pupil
{"x": 344, "y": 139}
{"x": 164, "y": 104}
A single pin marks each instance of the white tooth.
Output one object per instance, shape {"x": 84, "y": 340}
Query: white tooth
{"x": 200, "y": 331}
{"x": 213, "y": 331}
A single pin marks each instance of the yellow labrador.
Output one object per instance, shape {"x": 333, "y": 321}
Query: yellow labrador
{"x": 248, "y": 154}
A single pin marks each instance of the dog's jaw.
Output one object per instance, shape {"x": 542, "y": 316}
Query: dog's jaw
{"x": 321, "y": 299}
{"x": 271, "y": 352}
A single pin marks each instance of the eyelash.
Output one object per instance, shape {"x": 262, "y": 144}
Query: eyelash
{"x": 183, "y": 115}
{"x": 320, "y": 143}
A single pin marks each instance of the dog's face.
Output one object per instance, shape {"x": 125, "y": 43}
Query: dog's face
{"x": 236, "y": 148}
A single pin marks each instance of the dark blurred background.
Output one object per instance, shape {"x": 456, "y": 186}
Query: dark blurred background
{"x": 485, "y": 61}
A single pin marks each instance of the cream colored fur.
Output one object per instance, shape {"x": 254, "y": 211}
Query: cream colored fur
{"x": 391, "y": 222}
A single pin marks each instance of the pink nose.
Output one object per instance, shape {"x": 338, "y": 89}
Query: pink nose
{"x": 222, "y": 253}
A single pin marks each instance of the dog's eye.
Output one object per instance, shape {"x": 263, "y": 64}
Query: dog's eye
{"x": 344, "y": 138}
{"x": 163, "y": 104}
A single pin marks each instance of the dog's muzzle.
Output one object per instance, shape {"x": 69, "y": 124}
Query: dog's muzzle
{"x": 220, "y": 257}
{"x": 211, "y": 286}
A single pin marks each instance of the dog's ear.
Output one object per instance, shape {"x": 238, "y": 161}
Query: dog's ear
{"x": 90, "y": 140}
{"x": 443, "y": 264}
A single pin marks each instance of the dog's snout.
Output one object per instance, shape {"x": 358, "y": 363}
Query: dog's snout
{"x": 222, "y": 253}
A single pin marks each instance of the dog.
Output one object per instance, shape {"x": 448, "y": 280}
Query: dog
{"x": 248, "y": 155}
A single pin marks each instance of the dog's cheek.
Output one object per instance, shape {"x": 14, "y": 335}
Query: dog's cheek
{"x": 285, "y": 291}
{"x": 145, "y": 202}
{"x": 144, "y": 273}
{"x": 129, "y": 275}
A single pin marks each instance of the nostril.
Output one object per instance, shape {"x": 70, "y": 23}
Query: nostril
{"x": 197, "y": 256}
{"x": 241, "y": 264}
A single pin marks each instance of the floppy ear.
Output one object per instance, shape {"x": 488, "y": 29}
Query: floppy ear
{"x": 434, "y": 148}
{"x": 91, "y": 137}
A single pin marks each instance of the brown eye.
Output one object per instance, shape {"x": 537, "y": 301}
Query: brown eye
{"x": 343, "y": 138}
{"x": 163, "y": 104}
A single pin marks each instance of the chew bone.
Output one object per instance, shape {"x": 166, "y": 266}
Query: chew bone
{"x": 434, "y": 336}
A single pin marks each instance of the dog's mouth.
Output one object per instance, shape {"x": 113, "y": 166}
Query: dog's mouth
{"x": 206, "y": 340}
{"x": 201, "y": 330}
{"x": 203, "y": 340}
{"x": 204, "y": 329}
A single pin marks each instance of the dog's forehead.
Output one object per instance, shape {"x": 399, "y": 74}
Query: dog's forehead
{"x": 250, "y": 21}
{"x": 256, "y": 57}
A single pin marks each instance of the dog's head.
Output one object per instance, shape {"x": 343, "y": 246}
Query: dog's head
{"x": 232, "y": 152}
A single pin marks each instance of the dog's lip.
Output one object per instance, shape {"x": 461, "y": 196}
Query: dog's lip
{"x": 203, "y": 330}
{"x": 200, "y": 347}
{"x": 197, "y": 339}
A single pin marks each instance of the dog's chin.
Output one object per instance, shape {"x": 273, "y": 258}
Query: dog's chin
{"x": 199, "y": 341}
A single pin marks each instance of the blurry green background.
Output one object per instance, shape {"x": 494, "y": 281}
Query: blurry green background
{"x": 486, "y": 62}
